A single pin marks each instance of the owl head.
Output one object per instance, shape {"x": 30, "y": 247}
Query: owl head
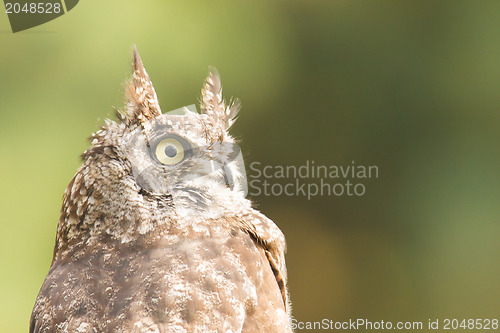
{"x": 182, "y": 154}
{"x": 150, "y": 167}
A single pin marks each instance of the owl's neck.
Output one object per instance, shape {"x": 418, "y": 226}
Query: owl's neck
{"x": 97, "y": 210}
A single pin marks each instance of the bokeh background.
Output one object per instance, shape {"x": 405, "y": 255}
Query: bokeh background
{"x": 409, "y": 86}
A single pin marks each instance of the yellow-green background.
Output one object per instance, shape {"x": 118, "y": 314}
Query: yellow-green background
{"x": 410, "y": 86}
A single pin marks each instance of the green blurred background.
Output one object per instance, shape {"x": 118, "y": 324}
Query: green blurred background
{"x": 410, "y": 86}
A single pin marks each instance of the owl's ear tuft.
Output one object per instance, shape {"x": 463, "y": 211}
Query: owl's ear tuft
{"x": 142, "y": 103}
{"x": 214, "y": 105}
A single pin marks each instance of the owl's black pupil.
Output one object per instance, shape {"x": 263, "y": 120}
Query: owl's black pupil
{"x": 170, "y": 151}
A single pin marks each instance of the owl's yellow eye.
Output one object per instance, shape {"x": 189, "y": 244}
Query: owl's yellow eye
{"x": 169, "y": 151}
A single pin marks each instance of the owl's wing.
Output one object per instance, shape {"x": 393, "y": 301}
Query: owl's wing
{"x": 267, "y": 235}
{"x": 64, "y": 304}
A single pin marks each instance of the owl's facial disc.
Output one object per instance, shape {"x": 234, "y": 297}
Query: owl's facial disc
{"x": 170, "y": 156}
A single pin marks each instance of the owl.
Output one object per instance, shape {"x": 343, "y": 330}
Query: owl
{"x": 155, "y": 232}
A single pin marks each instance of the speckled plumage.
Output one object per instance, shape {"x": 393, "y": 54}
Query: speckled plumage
{"x": 147, "y": 247}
